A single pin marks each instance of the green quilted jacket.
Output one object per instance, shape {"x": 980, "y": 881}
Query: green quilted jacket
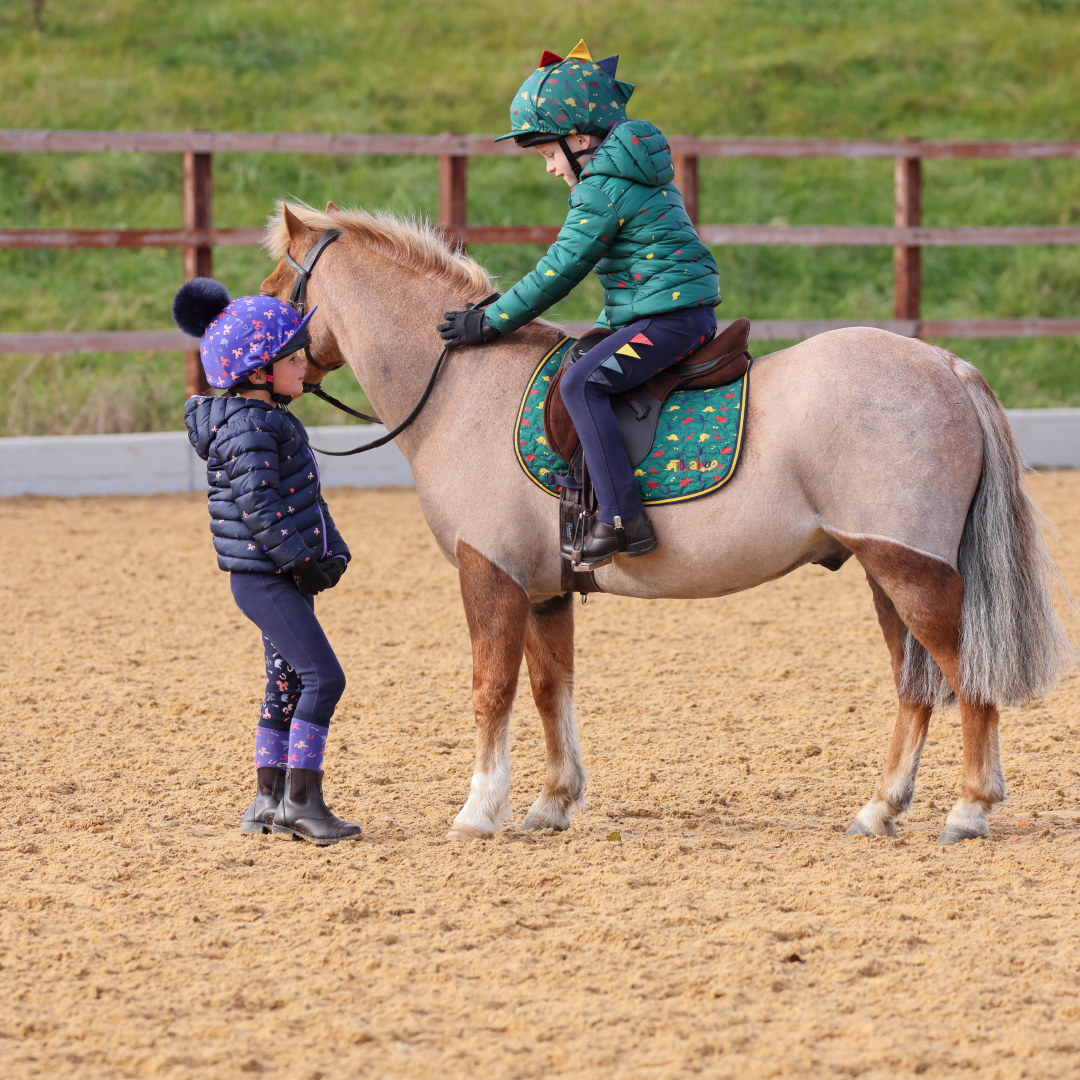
{"x": 628, "y": 224}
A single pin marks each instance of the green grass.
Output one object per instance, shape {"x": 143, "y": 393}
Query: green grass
{"x": 842, "y": 68}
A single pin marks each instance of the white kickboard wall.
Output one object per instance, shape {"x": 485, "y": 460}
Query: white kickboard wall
{"x": 159, "y": 462}
{"x": 164, "y": 462}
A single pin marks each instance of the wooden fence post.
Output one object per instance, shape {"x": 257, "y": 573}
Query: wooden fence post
{"x": 198, "y": 261}
{"x": 907, "y": 213}
{"x": 452, "y": 203}
{"x": 686, "y": 180}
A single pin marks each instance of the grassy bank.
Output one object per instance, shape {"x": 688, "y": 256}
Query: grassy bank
{"x": 1000, "y": 69}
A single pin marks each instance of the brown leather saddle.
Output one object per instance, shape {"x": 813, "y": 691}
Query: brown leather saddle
{"x": 716, "y": 363}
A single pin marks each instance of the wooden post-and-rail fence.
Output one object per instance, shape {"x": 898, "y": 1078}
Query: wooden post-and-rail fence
{"x": 198, "y": 237}
{"x": 198, "y": 258}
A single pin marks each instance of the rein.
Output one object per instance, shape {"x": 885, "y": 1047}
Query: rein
{"x": 319, "y": 392}
{"x": 297, "y": 301}
{"x": 400, "y": 428}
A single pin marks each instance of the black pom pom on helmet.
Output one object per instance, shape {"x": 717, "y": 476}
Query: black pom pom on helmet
{"x": 198, "y": 304}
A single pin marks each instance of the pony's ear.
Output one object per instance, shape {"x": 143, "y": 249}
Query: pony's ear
{"x": 330, "y": 206}
{"x": 297, "y": 229}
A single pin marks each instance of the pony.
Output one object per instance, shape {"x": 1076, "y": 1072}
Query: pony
{"x": 859, "y": 443}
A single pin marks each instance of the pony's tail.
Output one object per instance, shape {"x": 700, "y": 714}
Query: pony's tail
{"x": 1012, "y": 646}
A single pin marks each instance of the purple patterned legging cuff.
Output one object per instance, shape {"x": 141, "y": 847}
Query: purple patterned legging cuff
{"x": 271, "y": 748}
{"x": 307, "y": 742}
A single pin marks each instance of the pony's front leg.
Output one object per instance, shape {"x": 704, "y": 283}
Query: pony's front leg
{"x": 497, "y": 611}
{"x": 549, "y": 652}
{"x": 896, "y": 787}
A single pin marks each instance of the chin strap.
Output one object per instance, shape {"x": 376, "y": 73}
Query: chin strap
{"x": 268, "y": 386}
{"x": 573, "y": 155}
{"x": 276, "y": 398}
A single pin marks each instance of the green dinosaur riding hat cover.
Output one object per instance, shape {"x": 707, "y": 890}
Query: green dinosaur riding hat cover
{"x": 575, "y": 96}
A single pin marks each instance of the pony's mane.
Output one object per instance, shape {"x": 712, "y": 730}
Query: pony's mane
{"x": 412, "y": 244}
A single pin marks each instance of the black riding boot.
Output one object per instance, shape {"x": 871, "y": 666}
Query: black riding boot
{"x": 259, "y": 816}
{"x": 604, "y": 540}
{"x": 303, "y": 813}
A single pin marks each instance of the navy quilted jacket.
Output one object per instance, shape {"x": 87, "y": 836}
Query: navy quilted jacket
{"x": 267, "y": 513}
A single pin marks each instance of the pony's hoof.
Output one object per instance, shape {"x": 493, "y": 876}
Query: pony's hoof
{"x": 539, "y": 826}
{"x": 856, "y": 828}
{"x": 467, "y": 832}
{"x": 953, "y": 835}
{"x": 885, "y": 828}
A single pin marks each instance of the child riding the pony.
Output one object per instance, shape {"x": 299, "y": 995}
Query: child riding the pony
{"x": 628, "y": 225}
{"x": 274, "y": 534}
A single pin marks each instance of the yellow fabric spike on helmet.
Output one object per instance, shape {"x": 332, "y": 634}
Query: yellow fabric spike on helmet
{"x": 580, "y": 52}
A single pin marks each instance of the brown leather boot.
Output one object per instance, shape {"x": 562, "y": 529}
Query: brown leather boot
{"x": 259, "y": 816}
{"x": 303, "y": 813}
{"x": 604, "y": 540}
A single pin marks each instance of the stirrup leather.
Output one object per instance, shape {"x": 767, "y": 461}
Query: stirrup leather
{"x": 620, "y": 534}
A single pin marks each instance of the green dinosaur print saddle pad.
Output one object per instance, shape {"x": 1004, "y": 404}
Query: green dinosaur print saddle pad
{"x": 695, "y": 451}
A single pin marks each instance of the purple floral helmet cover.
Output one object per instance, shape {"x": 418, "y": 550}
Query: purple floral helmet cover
{"x": 249, "y": 334}
{"x": 237, "y": 337}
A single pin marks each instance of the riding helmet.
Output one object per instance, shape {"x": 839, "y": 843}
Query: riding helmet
{"x": 572, "y": 96}
{"x": 237, "y": 337}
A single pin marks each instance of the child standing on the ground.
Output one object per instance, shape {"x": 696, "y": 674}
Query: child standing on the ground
{"x": 273, "y": 532}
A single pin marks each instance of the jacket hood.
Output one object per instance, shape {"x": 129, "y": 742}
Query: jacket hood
{"x": 634, "y": 150}
{"x": 204, "y": 416}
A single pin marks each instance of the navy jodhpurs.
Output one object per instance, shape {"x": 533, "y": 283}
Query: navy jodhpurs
{"x": 292, "y": 633}
{"x": 588, "y": 385}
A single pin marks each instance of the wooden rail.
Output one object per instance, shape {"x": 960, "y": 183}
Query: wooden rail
{"x": 126, "y": 341}
{"x": 907, "y": 236}
{"x": 258, "y": 142}
{"x": 803, "y": 235}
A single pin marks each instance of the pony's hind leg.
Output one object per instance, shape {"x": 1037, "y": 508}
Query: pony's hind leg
{"x": 928, "y": 595}
{"x": 896, "y": 787}
{"x": 497, "y": 611}
{"x": 549, "y": 652}
{"x": 982, "y": 783}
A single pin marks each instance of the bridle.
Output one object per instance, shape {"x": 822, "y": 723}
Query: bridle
{"x": 298, "y": 298}
{"x": 298, "y": 302}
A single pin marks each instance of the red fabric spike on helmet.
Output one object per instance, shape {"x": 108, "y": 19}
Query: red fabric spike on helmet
{"x": 549, "y": 58}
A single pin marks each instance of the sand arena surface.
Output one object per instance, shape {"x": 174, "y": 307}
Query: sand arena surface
{"x": 733, "y": 931}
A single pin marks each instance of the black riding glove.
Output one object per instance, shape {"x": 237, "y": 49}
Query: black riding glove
{"x": 311, "y": 578}
{"x": 468, "y": 327}
{"x": 333, "y": 568}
